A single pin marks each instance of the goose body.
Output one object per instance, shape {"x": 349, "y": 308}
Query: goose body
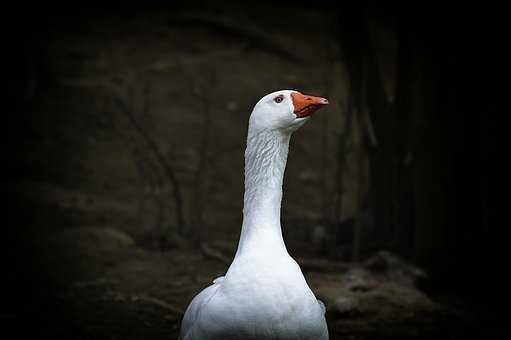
{"x": 264, "y": 294}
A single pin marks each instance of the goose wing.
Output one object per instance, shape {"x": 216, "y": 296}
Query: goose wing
{"x": 193, "y": 311}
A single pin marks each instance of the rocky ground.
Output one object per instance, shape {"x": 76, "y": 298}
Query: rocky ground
{"x": 96, "y": 283}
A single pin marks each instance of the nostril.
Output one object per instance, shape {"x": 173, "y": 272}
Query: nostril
{"x": 309, "y": 98}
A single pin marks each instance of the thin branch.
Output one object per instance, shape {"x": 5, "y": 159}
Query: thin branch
{"x": 201, "y": 174}
{"x": 255, "y": 36}
{"x": 157, "y": 302}
{"x": 323, "y": 266}
{"x": 154, "y": 148}
{"x": 208, "y": 251}
{"x": 342, "y": 148}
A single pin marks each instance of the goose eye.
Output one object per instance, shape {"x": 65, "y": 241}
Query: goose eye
{"x": 279, "y": 99}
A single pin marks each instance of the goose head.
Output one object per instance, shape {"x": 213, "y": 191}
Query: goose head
{"x": 284, "y": 110}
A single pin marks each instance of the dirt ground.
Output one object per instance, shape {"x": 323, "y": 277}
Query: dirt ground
{"x": 96, "y": 283}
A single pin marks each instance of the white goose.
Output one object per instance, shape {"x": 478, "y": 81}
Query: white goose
{"x": 263, "y": 295}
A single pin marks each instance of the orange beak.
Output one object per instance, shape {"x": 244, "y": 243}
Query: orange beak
{"x": 306, "y": 105}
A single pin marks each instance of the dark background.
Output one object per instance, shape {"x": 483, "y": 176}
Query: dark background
{"x": 125, "y": 133}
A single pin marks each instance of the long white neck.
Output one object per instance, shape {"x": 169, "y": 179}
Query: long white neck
{"x": 265, "y": 162}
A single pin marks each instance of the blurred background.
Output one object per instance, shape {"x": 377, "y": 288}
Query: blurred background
{"x": 125, "y": 135}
